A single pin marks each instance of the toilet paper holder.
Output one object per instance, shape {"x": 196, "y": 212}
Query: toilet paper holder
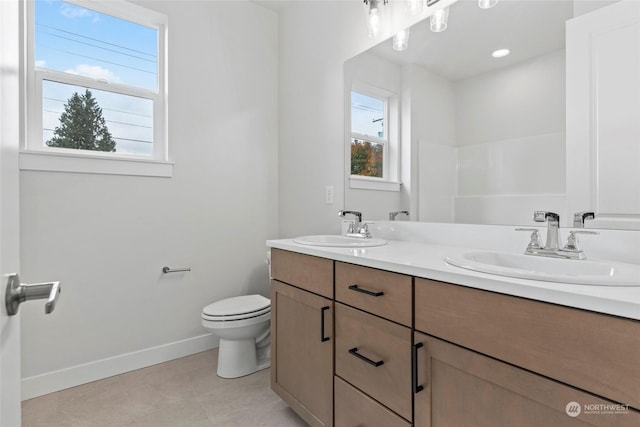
{"x": 166, "y": 269}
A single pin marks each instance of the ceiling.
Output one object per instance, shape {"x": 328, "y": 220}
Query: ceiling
{"x": 528, "y": 28}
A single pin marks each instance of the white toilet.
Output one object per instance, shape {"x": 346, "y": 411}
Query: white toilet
{"x": 242, "y": 325}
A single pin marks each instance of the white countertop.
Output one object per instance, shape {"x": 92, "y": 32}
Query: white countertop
{"x": 427, "y": 261}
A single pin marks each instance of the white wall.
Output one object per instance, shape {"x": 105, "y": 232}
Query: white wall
{"x": 510, "y": 129}
{"x": 432, "y": 112}
{"x": 107, "y": 237}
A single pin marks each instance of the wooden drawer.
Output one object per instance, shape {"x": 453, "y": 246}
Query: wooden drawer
{"x": 308, "y": 272}
{"x": 360, "y": 335}
{"x": 379, "y": 292}
{"x": 595, "y": 352}
{"x": 354, "y": 408}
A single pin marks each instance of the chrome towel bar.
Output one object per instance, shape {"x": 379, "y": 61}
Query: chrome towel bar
{"x": 166, "y": 269}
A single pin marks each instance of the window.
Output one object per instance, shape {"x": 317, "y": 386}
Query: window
{"x": 374, "y": 139}
{"x": 96, "y": 86}
{"x": 368, "y": 135}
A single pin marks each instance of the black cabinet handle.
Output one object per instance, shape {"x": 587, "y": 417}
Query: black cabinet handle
{"x": 416, "y": 387}
{"x": 354, "y": 351}
{"x": 364, "y": 291}
{"x": 322, "y": 337}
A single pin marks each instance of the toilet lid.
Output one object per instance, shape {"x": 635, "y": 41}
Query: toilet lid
{"x": 247, "y": 304}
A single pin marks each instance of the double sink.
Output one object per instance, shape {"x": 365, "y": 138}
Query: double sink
{"x": 579, "y": 272}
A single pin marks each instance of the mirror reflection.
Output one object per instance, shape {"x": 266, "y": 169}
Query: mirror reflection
{"x": 476, "y": 117}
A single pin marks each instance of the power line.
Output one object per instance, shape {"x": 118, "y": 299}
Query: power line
{"x": 133, "y": 140}
{"x": 103, "y": 48}
{"x": 128, "y": 124}
{"x": 96, "y": 40}
{"x": 115, "y": 137}
{"x": 104, "y": 108}
{"x": 110, "y": 121}
{"x": 100, "y": 60}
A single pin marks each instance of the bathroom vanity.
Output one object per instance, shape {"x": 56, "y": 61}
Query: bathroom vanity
{"x": 376, "y": 337}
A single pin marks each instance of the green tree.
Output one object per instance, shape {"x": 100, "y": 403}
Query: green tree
{"x": 82, "y": 126}
{"x": 366, "y": 158}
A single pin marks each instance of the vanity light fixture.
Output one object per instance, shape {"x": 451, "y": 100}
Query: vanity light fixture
{"x": 401, "y": 40}
{"x": 487, "y": 4}
{"x": 374, "y": 15}
{"x": 415, "y": 7}
{"x": 500, "y": 53}
{"x": 438, "y": 21}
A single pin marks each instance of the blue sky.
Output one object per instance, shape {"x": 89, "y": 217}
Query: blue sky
{"x": 365, "y": 114}
{"x": 75, "y": 40}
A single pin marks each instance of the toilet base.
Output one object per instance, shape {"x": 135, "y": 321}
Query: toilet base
{"x": 237, "y": 358}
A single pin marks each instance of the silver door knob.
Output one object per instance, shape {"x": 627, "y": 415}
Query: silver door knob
{"x": 18, "y": 292}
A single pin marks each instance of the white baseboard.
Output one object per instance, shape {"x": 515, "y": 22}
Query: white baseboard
{"x": 50, "y": 382}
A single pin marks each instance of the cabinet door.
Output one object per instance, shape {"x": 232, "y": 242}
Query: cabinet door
{"x": 302, "y": 352}
{"x": 464, "y": 388}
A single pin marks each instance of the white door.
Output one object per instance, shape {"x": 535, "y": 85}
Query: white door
{"x": 9, "y": 226}
{"x": 603, "y": 106}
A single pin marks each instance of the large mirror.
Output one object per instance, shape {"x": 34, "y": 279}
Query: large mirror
{"x": 478, "y": 139}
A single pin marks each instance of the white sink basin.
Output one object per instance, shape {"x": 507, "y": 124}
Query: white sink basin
{"x": 582, "y": 272}
{"x": 339, "y": 241}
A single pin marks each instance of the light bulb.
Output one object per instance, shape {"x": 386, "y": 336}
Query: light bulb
{"x": 487, "y": 4}
{"x": 373, "y": 18}
{"x": 438, "y": 21}
{"x": 500, "y": 53}
{"x": 401, "y": 40}
{"x": 415, "y": 7}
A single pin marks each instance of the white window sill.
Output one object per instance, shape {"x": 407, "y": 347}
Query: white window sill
{"x": 78, "y": 163}
{"x": 366, "y": 183}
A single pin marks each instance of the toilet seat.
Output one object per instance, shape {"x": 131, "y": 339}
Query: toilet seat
{"x": 237, "y": 308}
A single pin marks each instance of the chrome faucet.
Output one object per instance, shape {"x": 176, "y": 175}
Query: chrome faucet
{"x": 551, "y": 247}
{"x": 580, "y": 217}
{"x": 553, "y": 224}
{"x": 356, "y": 228}
{"x": 394, "y": 214}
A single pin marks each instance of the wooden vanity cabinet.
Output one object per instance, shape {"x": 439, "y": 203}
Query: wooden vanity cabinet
{"x": 302, "y": 335}
{"x": 410, "y": 351}
{"x": 465, "y": 388}
{"x": 513, "y": 361}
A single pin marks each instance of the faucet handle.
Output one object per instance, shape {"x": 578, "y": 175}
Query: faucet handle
{"x": 542, "y": 216}
{"x": 357, "y": 214}
{"x": 534, "y": 243}
{"x": 394, "y": 214}
{"x": 580, "y": 217}
{"x": 572, "y": 240}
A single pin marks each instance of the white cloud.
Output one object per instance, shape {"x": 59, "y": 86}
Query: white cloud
{"x": 41, "y": 63}
{"x": 94, "y": 72}
{"x": 70, "y": 11}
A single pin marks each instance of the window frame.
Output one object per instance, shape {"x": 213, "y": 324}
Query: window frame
{"x": 35, "y": 155}
{"x": 391, "y": 158}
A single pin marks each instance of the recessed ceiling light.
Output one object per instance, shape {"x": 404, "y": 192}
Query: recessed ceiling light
{"x": 500, "y": 53}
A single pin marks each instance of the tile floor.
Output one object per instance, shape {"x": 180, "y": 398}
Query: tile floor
{"x": 182, "y": 393}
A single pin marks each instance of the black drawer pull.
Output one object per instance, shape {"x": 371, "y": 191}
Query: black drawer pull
{"x": 364, "y": 291}
{"x": 416, "y": 387}
{"x": 354, "y": 351}
{"x": 322, "y": 337}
